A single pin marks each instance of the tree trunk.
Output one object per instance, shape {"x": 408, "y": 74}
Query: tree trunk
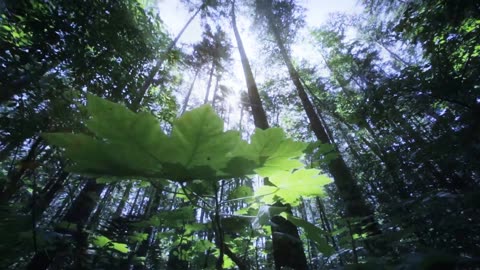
{"x": 259, "y": 115}
{"x": 355, "y": 204}
{"x": 123, "y": 201}
{"x": 149, "y": 80}
{"x": 77, "y": 215}
{"x": 15, "y": 177}
{"x": 286, "y": 252}
{"x": 187, "y": 97}
{"x": 49, "y": 192}
{"x": 240, "y": 128}
{"x": 215, "y": 92}
{"x": 209, "y": 84}
{"x": 145, "y": 245}
{"x": 7, "y": 150}
{"x": 134, "y": 204}
{"x": 95, "y": 219}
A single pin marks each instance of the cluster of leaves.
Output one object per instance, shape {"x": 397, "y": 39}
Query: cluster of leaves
{"x": 400, "y": 96}
{"x": 127, "y": 144}
{"x": 49, "y": 48}
{"x": 197, "y": 154}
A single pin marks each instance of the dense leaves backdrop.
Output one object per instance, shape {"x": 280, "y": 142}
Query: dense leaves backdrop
{"x": 121, "y": 147}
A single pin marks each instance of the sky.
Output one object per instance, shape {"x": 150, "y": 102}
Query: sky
{"x": 175, "y": 15}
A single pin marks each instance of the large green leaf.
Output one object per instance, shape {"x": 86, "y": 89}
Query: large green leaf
{"x": 289, "y": 187}
{"x": 199, "y": 144}
{"x": 275, "y": 151}
{"x": 95, "y": 157}
{"x": 241, "y": 192}
{"x": 127, "y": 144}
{"x": 104, "y": 242}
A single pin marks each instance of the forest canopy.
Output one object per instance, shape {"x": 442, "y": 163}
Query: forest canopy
{"x": 268, "y": 143}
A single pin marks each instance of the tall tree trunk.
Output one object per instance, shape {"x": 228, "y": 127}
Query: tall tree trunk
{"x": 348, "y": 189}
{"x": 152, "y": 206}
{"x": 134, "y": 204}
{"x": 15, "y": 177}
{"x": 150, "y": 79}
{"x": 209, "y": 84}
{"x": 187, "y": 97}
{"x": 215, "y": 91}
{"x": 259, "y": 115}
{"x": 7, "y": 150}
{"x": 48, "y": 193}
{"x": 286, "y": 252}
{"x": 95, "y": 219}
{"x": 123, "y": 200}
{"x": 79, "y": 213}
{"x": 240, "y": 128}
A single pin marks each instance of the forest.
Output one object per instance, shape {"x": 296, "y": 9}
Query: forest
{"x": 269, "y": 143}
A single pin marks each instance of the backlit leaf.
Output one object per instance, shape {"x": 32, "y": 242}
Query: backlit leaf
{"x": 291, "y": 186}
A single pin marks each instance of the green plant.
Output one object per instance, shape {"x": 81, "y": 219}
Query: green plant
{"x": 198, "y": 156}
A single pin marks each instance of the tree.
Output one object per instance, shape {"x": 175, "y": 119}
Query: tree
{"x": 259, "y": 115}
{"x": 215, "y": 49}
{"x": 71, "y": 57}
{"x": 354, "y": 203}
{"x": 285, "y": 252}
{"x": 126, "y": 180}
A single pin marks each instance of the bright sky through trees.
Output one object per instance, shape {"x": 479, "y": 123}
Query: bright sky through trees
{"x": 175, "y": 14}
{"x": 350, "y": 141}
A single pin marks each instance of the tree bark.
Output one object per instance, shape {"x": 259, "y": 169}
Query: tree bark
{"x": 150, "y": 79}
{"x": 187, "y": 97}
{"x": 95, "y": 219}
{"x": 215, "y": 91}
{"x": 145, "y": 245}
{"x": 347, "y": 187}
{"x": 123, "y": 201}
{"x": 259, "y": 115}
{"x": 286, "y": 252}
{"x": 49, "y": 192}
{"x": 209, "y": 85}
{"x": 14, "y": 179}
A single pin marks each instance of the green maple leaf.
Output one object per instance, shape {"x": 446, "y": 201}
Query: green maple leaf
{"x": 94, "y": 157}
{"x": 104, "y": 242}
{"x": 199, "y": 144}
{"x": 289, "y": 187}
{"x": 127, "y": 144}
{"x": 275, "y": 151}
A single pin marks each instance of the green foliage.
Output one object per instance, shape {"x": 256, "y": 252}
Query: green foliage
{"x": 103, "y": 242}
{"x": 241, "y": 192}
{"x": 169, "y": 219}
{"x": 196, "y": 154}
{"x": 289, "y": 187}
{"x": 127, "y": 144}
{"x": 397, "y": 91}
{"x": 275, "y": 152}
